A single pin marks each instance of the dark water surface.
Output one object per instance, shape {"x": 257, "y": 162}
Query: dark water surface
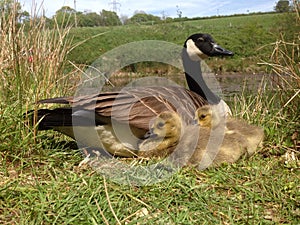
{"x": 223, "y": 85}
{"x": 238, "y": 83}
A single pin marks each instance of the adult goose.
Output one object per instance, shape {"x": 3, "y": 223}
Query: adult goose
{"x": 135, "y": 107}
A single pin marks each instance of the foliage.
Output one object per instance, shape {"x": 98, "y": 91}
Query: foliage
{"x": 65, "y": 17}
{"x": 89, "y": 20}
{"x": 229, "y": 32}
{"x": 143, "y": 18}
{"x": 7, "y": 7}
{"x": 282, "y": 6}
{"x": 285, "y": 62}
{"x": 109, "y": 18}
{"x": 33, "y": 62}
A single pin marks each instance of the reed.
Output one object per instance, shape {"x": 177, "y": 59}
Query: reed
{"x": 277, "y": 110}
{"x": 285, "y": 63}
{"x": 33, "y": 65}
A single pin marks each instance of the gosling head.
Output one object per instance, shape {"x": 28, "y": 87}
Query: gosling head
{"x": 203, "y": 116}
{"x": 166, "y": 125}
{"x": 208, "y": 116}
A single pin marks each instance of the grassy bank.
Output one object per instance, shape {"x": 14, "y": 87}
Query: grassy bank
{"x": 244, "y": 35}
{"x": 40, "y": 178}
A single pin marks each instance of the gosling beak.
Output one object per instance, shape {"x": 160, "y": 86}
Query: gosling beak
{"x": 150, "y": 134}
{"x": 194, "y": 122}
{"x": 219, "y": 51}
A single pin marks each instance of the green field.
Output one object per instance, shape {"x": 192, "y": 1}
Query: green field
{"x": 41, "y": 181}
{"x": 248, "y": 36}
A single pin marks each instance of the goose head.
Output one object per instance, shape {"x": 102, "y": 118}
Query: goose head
{"x": 197, "y": 47}
{"x": 200, "y": 46}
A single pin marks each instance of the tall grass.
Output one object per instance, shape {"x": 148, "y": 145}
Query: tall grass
{"x": 285, "y": 63}
{"x": 33, "y": 65}
{"x": 32, "y": 59}
{"x": 278, "y": 110}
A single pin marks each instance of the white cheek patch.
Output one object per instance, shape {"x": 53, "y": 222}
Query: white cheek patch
{"x": 194, "y": 52}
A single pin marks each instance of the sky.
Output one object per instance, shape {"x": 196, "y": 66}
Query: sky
{"x": 189, "y": 8}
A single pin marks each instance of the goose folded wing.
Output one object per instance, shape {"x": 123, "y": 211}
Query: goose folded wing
{"x": 136, "y": 106}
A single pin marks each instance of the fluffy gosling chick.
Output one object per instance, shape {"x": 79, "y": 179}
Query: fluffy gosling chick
{"x": 164, "y": 136}
{"x": 207, "y": 116}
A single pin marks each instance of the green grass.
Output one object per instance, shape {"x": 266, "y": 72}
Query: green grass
{"x": 52, "y": 190}
{"x": 40, "y": 178}
{"x": 244, "y": 35}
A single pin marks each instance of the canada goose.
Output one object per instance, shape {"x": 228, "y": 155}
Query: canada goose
{"x": 135, "y": 107}
{"x": 205, "y": 117}
{"x": 208, "y": 116}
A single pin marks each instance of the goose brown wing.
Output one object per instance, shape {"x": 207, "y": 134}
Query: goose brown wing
{"x": 138, "y": 105}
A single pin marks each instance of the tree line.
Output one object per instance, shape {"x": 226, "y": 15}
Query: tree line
{"x": 67, "y": 16}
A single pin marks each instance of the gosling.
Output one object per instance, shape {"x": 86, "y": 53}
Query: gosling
{"x": 163, "y": 137}
{"x": 207, "y": 116}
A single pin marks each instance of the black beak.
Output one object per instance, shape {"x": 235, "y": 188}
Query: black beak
{"x": 219, "y": 51}
{"x": 150, "y": 134}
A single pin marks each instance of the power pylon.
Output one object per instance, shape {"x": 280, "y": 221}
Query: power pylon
{"x": 115, "y": 5}
{"x": 75, "y": 13}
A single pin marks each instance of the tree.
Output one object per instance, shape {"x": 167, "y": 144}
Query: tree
{"x": 66, "y": 10}
{"x": 65, "y": 16}
{"x": 179, "y": 12}
{"x": 124, "y": 19}
{"x": 7, "y": 6}
{"x": 91, "y": 19}
{"x": 142, "y": 18}
{"x": 13, "y": 8}
{"x": 24, "y": 16}
{"x": 109, "y": 18}
{"x": 282, "y": 6}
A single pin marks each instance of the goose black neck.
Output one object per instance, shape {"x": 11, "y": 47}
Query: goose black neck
{"x": 195, "y": 79}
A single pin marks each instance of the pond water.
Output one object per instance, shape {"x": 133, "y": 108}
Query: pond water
{"x": 238, "y": 83}
{"x": 223, "y": 85}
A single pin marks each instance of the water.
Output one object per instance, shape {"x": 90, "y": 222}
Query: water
{"x": 223, "y": 85}
{"x": 251, "y": 83}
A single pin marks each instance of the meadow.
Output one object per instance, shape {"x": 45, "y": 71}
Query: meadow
{"x": 41, "y": 181}
{"x": 248, "y": 36}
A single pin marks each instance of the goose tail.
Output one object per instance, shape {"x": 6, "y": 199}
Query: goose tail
{"x": 48, "y": 119}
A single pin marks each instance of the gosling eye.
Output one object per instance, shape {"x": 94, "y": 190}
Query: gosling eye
{"x": 202, "y": 116}
{"x": 160, "y": 125}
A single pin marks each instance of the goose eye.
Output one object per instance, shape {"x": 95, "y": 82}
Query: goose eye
{"x": 200, "y": 39}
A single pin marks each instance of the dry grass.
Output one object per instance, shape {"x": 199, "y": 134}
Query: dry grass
{"x": 285, "y": 63}
{"x": 32, "y": 59}
{"x": 33, "y": 66}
